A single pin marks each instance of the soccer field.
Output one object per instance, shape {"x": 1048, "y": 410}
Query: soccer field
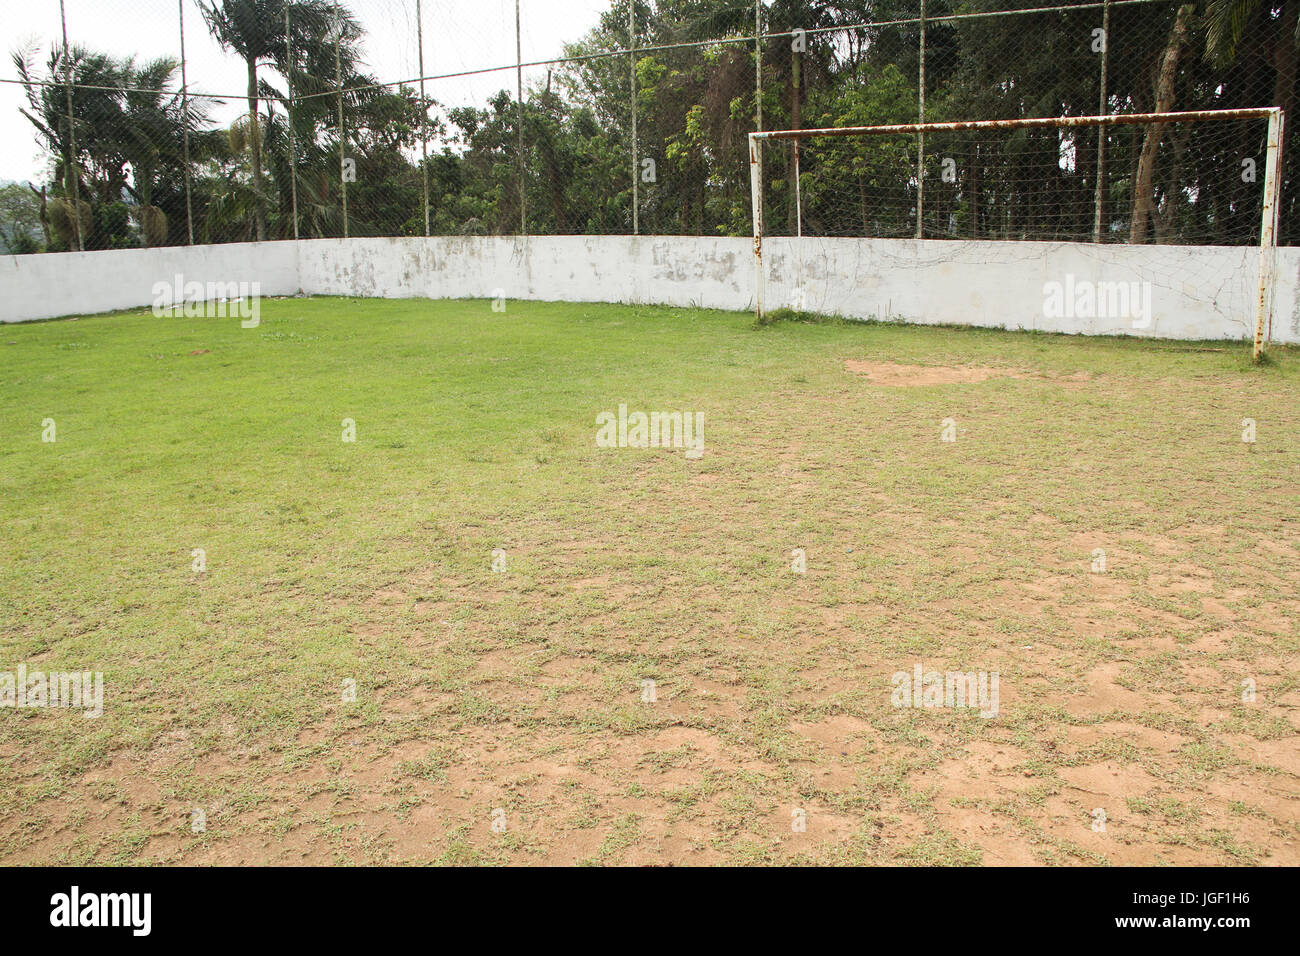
{"x": 472, "y": 635}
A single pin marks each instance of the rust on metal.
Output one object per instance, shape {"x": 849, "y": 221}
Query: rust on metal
{"x": 1268, "y": 231}
{"x": 756, "y": 198}
{"x": 1034, "y": 122}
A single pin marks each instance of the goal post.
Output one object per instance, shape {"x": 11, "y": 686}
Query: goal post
{"x": 869, "y": 187}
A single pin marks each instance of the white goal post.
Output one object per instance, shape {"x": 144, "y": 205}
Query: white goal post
{"x": 1269, "y": 201}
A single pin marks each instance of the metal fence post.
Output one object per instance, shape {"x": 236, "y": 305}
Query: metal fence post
{"x": 185, "y": 111}
{"x": 343, "y": 134}
{"x": 288, "y": 112}
{"x": 756, "y": 202}
{"x": 920, "y": 136}
{"x": 71, "y": 171}
{"x": 519, "y": 93}
{"x": 424, "y": 116}
{"x": 631, "y": 55}
{"x": 1099, "y": 198}
{"x": 758, "y": 65}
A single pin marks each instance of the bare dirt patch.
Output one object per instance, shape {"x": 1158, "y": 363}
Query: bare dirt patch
{"x": 894, "y": 375}
{"x": 502, "y": 717}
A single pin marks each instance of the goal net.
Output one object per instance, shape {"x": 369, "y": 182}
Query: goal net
{"x": 1144, "y": 182}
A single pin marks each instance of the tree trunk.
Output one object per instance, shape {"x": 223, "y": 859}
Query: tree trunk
{"x": 45, "y": 216}
{"x": 555, "y": 180}
{"x": 1143, "y": 194}
{"x": 255, "y": 144}
{"x": 1166, "y": 222}
{"x": 72, "y": 190}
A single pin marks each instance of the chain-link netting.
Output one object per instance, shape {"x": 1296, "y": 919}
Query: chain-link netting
{"x": 1194, "y": 182}
{"x": 163, "y": 122}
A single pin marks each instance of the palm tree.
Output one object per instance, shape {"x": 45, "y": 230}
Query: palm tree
{"x": 254, "y": 30}
{"x": 124, "y": 115}
{"x": 97, "y": 79}
{"x": 151, "y": 136}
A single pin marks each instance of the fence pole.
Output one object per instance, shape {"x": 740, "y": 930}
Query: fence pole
{"x": 71, "y": 171}
{"x": 798, "y": 194}
{"x": 920, "y": 136}
{"x": 185, "y": 111}
{"x": 424, "y": 116}
{"x": 343, "y": 134}
{"x": 758, "y": 65}
{"x": 756, "y": 202}
{"x": 631, "y": 59}
{"x": 1099, "y": 199}
{"x": 519, "y": 94}
{"x": 288, "y": 112}
{"x": 1268, "y": 231}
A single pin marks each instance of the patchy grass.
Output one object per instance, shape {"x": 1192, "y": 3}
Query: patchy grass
{"x": 521, "y": 692}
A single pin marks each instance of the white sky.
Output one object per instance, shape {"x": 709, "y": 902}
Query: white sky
{"x": 458, "y": 35}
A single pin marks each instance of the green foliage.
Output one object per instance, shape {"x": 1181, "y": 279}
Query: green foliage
{"x": 112, "y": 226}
{"x": 694, "y": 106}
{"x": 20, "y": 219}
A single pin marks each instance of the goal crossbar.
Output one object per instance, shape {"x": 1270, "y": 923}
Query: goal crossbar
{"x": 1272, "y": 174}
{"x": 1035, "y": 122}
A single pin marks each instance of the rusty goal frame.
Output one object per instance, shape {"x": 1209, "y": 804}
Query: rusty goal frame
{"x": 1272, "y": 178}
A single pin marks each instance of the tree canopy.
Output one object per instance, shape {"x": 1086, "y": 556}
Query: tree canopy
{"x": 124, "y": 152}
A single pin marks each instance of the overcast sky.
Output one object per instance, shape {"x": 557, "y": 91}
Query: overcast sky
{"x": 458, "y": 35}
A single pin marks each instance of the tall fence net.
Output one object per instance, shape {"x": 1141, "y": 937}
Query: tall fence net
{"x": 1185, "y": 182}
{"x": 165, "y": 122}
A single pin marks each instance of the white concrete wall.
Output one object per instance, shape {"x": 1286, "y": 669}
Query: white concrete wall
{"x": 707, "y": 272}
{"x": 83, "y": 283}
{"x": 1195, "y": 292}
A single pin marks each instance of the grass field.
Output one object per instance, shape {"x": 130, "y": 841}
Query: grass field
{"x": 515, "y": 698}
